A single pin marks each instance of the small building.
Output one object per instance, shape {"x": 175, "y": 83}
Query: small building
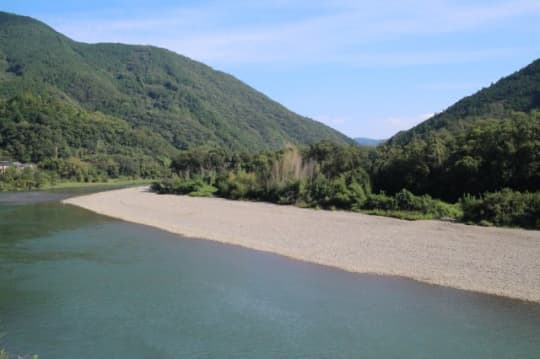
{"x": 4, "y": 165}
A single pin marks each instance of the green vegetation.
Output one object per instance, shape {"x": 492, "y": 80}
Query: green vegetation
{"x": 147, "y": 97}
{"x": 115, "y": 181}
{"x": 309, "y": 177}
{"x": 323, "y": 175}
{"x": 38, "y": 128}
{"x": 519, "y": 92}
{"x": 71, "y": 144}
{"x": 331, "y": 176}
{"x": 5, "y": 355}
{"x": 406, "y": 205}
{"x": 95, "y": 113}
{"x": 484, "y": 151}
{"x": 485, "y": 156}
{"x": 14, "y": 179}
{"x": 89, "y": 113}
{"x": 81, "y": 174}
{"x": 504, "y": 208}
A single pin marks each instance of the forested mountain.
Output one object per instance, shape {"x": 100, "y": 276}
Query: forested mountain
{"x": 64, "y": 98}
{"x": 519, "y": 92}
{"x": 483, "y": 143}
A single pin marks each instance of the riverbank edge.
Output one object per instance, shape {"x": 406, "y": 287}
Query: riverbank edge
{"x": 76, "y": 201}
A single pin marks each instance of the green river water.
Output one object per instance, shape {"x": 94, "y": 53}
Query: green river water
{"x": 74, "y": 284}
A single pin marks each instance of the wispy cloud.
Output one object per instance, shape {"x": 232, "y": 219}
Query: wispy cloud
{"x": 333, "y": 121}
{"x": 399, "y": 123}
{"x": 337, "y": 33}
{"x": 358, "y": 62}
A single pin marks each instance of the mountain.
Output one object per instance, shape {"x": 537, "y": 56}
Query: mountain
{"x": 114, "y": 98}
{"x": 519, "y": 92}
{"x": 483, "y": 143}
{"x": 369, "y": 142}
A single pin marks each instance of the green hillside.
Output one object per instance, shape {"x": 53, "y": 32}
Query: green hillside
{"x": 519, "y": 92}
{"x": 120, "y": 99}
{"x": 483, "y": 143}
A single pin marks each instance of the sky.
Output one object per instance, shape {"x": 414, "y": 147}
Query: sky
{"x": 365, "y": 68}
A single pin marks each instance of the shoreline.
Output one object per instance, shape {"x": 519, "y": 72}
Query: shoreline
{"x": 498, "y": 261}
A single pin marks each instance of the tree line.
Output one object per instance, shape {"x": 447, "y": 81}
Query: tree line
{"x": 323, "y": 175}
{"x": 488, "y": 172}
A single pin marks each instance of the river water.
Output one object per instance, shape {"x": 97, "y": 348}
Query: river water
{"x": 74, "y": 284}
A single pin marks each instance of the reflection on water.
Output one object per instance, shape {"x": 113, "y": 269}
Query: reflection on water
{"x": 54, "y": 195}
{"x": 74, "y": 284}
{"x": 42, "y": 219}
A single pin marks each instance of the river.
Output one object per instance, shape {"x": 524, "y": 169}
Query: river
{"x": 74, "y": 284}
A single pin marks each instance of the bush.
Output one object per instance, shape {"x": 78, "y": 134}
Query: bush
{"x": 194, "y": 187}
{"x": 380, "y": 202}
{"x": 290, "y": 192}
{"x": 239, "y": 185}
{"x": 405, "y": 201}
{"x": 504, "y": 208}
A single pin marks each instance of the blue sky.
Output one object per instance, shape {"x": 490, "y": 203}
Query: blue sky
{"x": 366, "y": 68}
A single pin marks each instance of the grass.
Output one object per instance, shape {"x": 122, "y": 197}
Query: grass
{"x": 118, "y": 181}
{"x": 400, "y": 214}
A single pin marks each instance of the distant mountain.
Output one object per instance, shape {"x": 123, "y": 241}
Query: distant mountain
{"x": 518, "y": 92}
{"x": 370, "y": 142}
{"x": 73, "y": 94}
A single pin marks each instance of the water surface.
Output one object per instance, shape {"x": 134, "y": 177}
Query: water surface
{"x": 74, "y": 284}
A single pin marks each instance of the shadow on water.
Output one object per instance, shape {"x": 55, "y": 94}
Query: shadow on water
{"x": 41, "y": 219}
{"x": 54, "y": 195}
{"x": 28, "y": 215}
{"x": 13, "y": 198}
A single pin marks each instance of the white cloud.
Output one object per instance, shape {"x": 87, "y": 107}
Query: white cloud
{"x": 400, "y": 123}
{"x": 426, "y": 116}
{"x": 331, "y": 121}
{"x": 339, "y": 32}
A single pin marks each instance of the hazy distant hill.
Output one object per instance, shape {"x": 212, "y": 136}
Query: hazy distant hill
{"x": 517, "y": 92}
{"x": 364, "y": 141}
{"x": 158, "y": 100}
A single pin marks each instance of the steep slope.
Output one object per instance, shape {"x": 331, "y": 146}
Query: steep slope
{"x": 183, "y": 102}
{"x": 518, "y": 92}
{"x": 484, "y": 143}
{"x": 34, "y": 128}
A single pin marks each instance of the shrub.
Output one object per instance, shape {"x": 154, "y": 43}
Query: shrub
{"x": 192, "y": 187}
{"x": 240, "y": 185}
{"x": 405, "y": 201}
{"x": 380, "y": 202}
{"x": 503, "y": 208}
{"x": 289, "y": 192}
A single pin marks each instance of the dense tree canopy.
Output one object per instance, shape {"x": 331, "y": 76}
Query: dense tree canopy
{"x": 487, "y": 155}
{"x": 183, "y": 102}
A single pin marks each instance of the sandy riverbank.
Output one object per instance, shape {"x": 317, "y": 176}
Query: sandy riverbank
{"x": 492, "y": 260}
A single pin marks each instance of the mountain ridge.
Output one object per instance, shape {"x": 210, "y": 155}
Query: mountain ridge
{"x": 517, "y": 92}
{"x": 485, "y": 143}
{"x": 185, "y": 102}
